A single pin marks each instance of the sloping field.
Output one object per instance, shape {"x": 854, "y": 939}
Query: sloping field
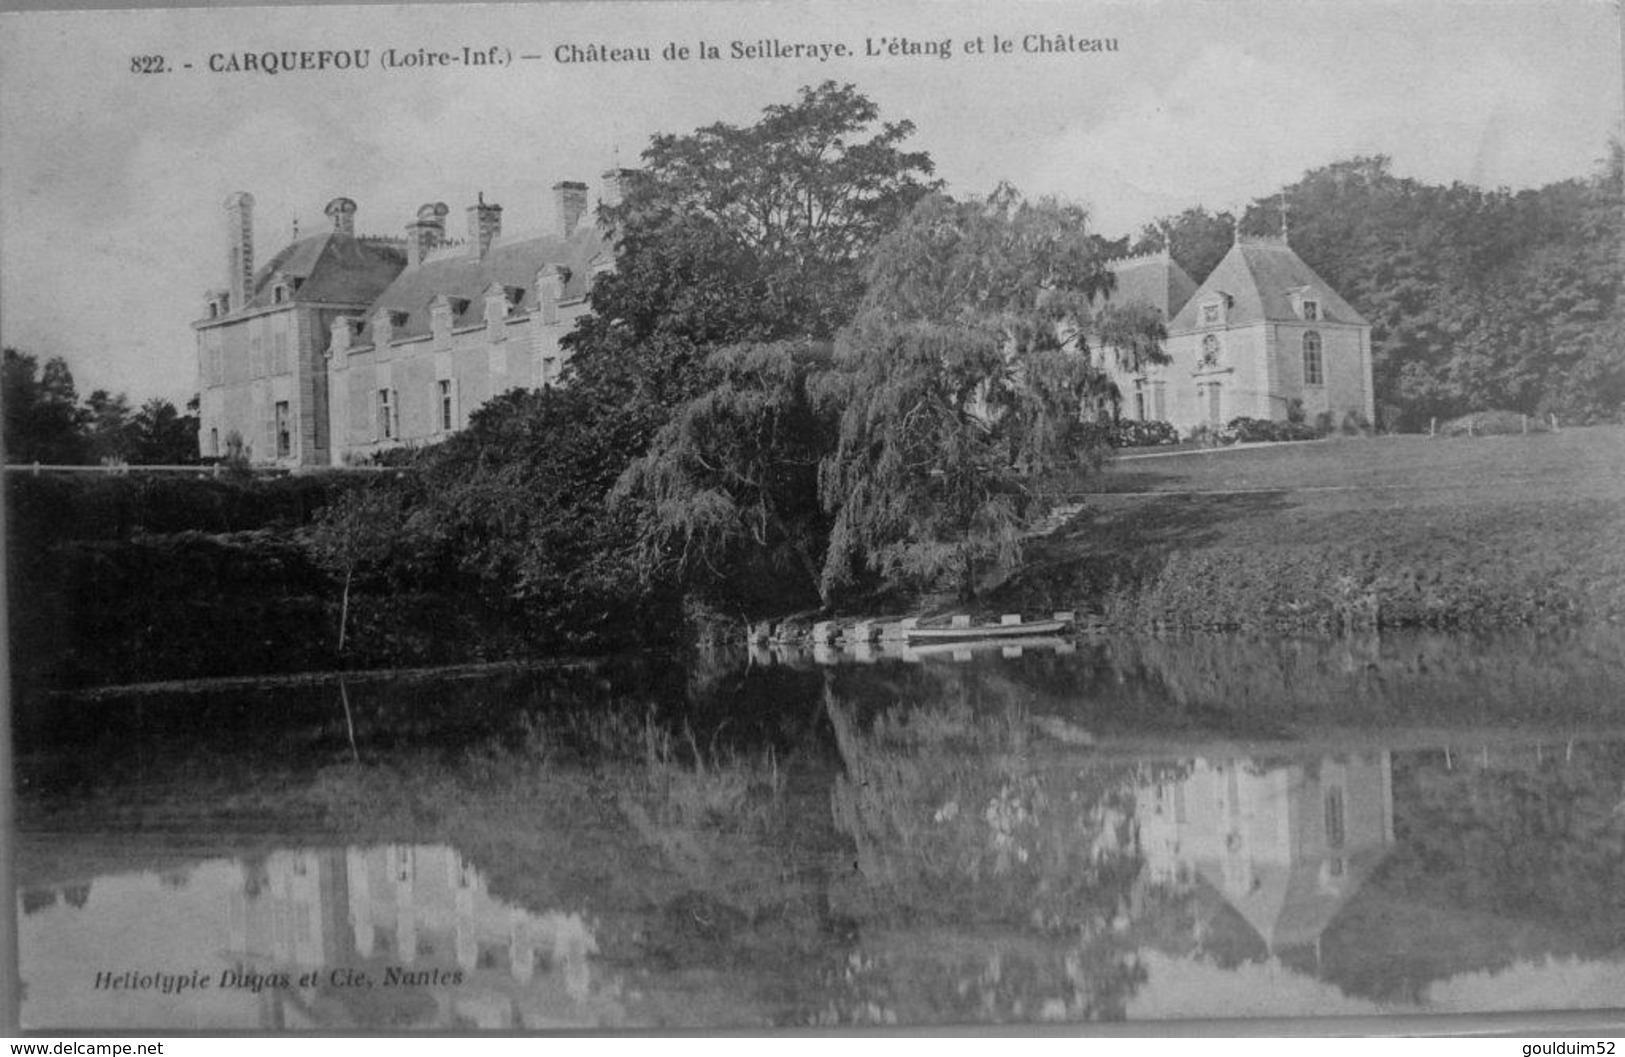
{"x": 1351, "y": 532}
{"x": 1587, "y": 460}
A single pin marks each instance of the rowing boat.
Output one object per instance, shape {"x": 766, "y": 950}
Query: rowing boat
{"x": 959, "y": 632}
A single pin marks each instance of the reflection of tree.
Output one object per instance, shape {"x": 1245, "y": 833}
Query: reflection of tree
{"x": 1016, "y": 884}
{"x": 76, "y": 895}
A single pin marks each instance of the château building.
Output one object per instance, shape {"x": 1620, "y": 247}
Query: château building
{"x": 342, "y": 345}
{"x": 1262, "y": 337}
{"x": 262, "y": 343}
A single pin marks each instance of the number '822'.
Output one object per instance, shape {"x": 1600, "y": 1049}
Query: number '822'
{"x": 148, "y": 64}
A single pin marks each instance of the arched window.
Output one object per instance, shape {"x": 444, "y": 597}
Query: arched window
{"x": 1314, "y": 372}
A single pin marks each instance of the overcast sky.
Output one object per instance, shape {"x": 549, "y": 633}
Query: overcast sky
{"x": 111, "y": 182}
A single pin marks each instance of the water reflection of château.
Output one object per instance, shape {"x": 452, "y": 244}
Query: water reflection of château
{"x": 1285, "y": 845}
{"x": 425, "y": 913}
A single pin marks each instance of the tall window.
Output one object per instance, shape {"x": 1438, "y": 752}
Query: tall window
{"x": 1314, "y": 372}
{"x": 214, "y": 442}
{"x": 448, "y": 406}
{"x": 389, "y": 423}
{"x": 284, "y": 430}
{"x": 1334, "y": 818}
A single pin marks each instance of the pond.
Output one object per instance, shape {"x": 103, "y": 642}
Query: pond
{"x": 1086, "y": 830}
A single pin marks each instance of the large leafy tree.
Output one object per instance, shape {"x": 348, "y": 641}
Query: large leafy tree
{"x": 43, "y": 420}
{"x": 1197, "y": 239}
{"x": 739, "y": 252}
{"x": 107, "y": 423}
{"x": 753, "y": 233}
{"x": 959, "y": 387}
{"x": 161, "y": 436}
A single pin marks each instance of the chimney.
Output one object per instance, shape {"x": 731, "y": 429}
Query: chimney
{"x": 614, "y": 189}
{"x": 239, "y": 249}
{"x": 428, "y": 230}
{"x": 342, "y": 212}
{"x": 570, "y": 199}
{"x": 484, "y": 224}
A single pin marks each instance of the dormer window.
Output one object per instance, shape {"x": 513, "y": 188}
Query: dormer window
{"x": 279, "y": 293}
{"x": 214, "y": 309}
{"x": 1311, "y": 308}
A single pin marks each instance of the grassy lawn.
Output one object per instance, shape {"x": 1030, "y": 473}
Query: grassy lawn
{"x": 1356, "y": 531}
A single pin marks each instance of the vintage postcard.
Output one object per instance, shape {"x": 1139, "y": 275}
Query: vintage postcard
{"x": 789, "y": 515}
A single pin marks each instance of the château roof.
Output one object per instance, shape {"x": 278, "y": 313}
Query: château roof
{"x": 511, "y": 261}
{"x": 330, "y": 268}
{"x": 1259, "y": 276}
{"x": 1155, "y": 279}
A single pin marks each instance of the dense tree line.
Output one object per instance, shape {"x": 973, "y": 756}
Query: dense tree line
{"x": 46, "y": 422}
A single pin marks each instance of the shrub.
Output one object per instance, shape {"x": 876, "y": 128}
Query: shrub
{"x": 1355, "y": 423}
{"x": 1256, "y": 430}
{"x": 1128, "y": 433}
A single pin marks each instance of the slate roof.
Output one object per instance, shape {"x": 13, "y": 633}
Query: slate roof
{"x": 512, "y": 261}
{"x": 1153, "y": 279}
{"x": 1288, "y": 906}
{"x": 1260, "y": 275}
{"x": 329, "y": 268}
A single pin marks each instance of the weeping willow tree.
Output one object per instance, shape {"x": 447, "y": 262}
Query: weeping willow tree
{"x": 959, "y": 387}
{"x": 726, "y": 497}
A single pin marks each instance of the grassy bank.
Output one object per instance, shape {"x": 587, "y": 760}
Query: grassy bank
{"x": 1358, "y": 532}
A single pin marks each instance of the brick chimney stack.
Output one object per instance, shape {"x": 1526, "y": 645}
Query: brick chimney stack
{"x": 570, "y": 200}
{"x": 342, "y": 212}
{"x": 484, "y": 225}
{"x": 428, "y": 230}
{"x": 239, "y": 249}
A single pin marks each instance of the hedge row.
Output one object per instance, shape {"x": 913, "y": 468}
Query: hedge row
{"x": 51, "y": 507}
